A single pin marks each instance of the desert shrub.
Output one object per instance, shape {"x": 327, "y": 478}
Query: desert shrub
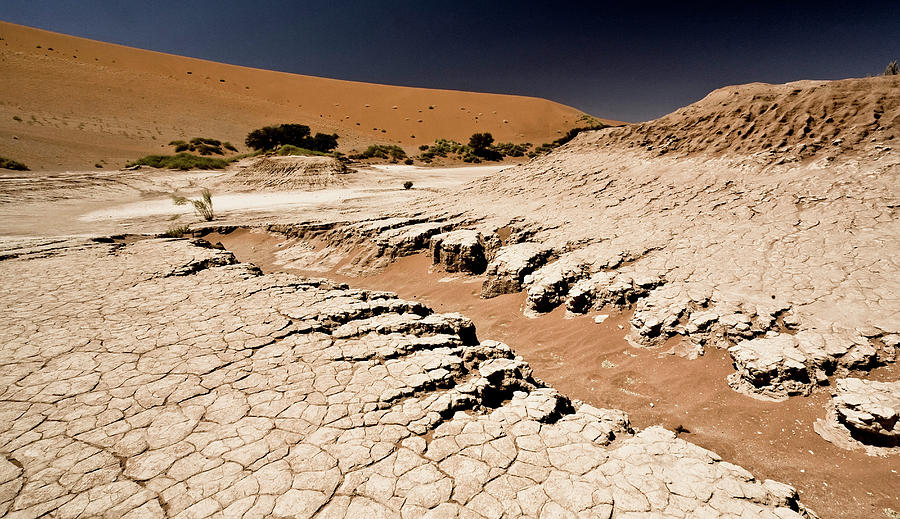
{"x": 177, "y": 231}
{"x": 381, "y": 151}
{"x": 202, "y": 145}
{"x": 180, "y": 145}
{"x": 182, "y": 161}
{"x": 205, "y": 146}
{"x": 324, "y": 142}
{"x": 444, "y": 147}
{"x": 510, "y": 149}
{"x": 571, "y": 134}
{"x": 271, "y": 137}
{"x": 409, "y": 162}
{"x": 230, "y": 147}
{"x": 289, "y": 149}
{"x": 17, "y": 118}
{"x": 482, "y": 148}
{"x": 408, "y": 184}
{"x": 202, "y": 206}
{"x": 423, "y": 147}
{"x": 6, "y": 163}
{"x": 480, "y": 141}
{"x": 892, "y": 69}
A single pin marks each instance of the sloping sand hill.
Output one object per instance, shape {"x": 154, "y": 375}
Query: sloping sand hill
{"x": 794, "y": 120}
{"x": 70, "y": 102}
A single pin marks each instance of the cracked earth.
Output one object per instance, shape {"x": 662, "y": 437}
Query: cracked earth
{"x": 149, "y": 377}
{"x": 165, "y": 379}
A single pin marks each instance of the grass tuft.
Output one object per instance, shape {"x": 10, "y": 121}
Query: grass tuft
{"x": 203, "y": 207}
{"x": 177, "y": 231}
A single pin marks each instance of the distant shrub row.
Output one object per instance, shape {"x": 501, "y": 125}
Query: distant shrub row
{"x": 183, "y": 161}
{"x": 6, "y": 163}
{"x": 272, "y": 137}
{"x": 203, "y": 146}
{"x": 381, "y": 151}
{"x": 480, "y": 147}
{"x": 289, "y": 149}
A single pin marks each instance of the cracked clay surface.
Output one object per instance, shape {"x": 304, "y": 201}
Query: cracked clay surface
{"x": 162, "y": 379}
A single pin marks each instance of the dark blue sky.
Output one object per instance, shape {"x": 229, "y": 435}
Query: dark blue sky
{"x": 624, "y": 60}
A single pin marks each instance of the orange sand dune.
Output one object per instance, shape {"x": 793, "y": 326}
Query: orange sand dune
{"x": 82, "y": 101}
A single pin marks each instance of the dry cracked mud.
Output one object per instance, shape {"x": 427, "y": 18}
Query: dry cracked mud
{"x": 166, "y": 380}
{"x": 149, "y": 377}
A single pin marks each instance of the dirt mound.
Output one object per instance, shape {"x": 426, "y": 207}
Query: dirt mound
{"x": 290, "y": 172}
{"x": 791, "y": 121}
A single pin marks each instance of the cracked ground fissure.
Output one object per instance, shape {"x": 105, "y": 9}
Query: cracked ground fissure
{"x": 180, "y": 362}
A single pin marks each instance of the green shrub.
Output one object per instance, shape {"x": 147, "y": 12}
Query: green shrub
{"x": 444, "y": 147}
{"x": 480, "y": 148}
{"x": 202, "y": 206}
{"x": 203, "y": 146}
{"x": 271, "y": 137}
{"x": 6, "y": 163}
{"x": 480, "y": 141}
{"x": 180, "y": 145}
{"x": 381, "y": 151}
{"x": 182, "y": 161}
{"x": 409, "y": 162}
{"x": 288, "y": 149}
{"x": 509, "y": 149}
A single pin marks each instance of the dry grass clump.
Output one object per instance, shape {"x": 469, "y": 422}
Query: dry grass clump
{"x": 177, "y": 231}
{"x": 203, "y": 207}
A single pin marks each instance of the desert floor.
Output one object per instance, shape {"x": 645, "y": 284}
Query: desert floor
{"x": 245, "y": 415}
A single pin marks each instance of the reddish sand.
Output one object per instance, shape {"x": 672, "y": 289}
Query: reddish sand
{"x": 594, "y": 363}
{"x": 81, "y": 102}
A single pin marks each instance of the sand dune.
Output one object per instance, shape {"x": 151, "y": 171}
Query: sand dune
{"x": 795, "y": 120}
{"x": 71, "y": 102}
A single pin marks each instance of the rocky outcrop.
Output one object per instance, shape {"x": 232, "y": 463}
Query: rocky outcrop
{"x": 459, "y": 251}
{"x": 863, "y": 414}
{"x": 507, "y": 270}
{"x": 548, "y": 286}
{"x": 164, "y": 384}
{"x": 781, "y": 364}
{"x": 870, "y": 410}
{"x": 619, "y": 289}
